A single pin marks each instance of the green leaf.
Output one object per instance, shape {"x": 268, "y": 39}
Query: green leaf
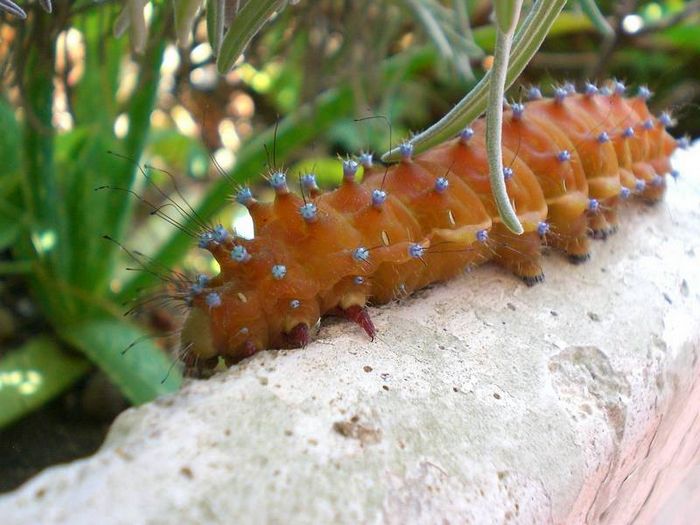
{"x": 507, "y": 14}
{"x": 142, "y": 373}
{"x": 685, "y": 37}
{"x": 95, "y": 102}
{"x": 34, "y": 374}
{"x": 249, "y": 20}
{"x": 215, "y": 23}
{"x": 185, "y": 12}
{"x": 9, "y": 231}
{"x": 328, "y": 170}
{"x": 10, "y": 143}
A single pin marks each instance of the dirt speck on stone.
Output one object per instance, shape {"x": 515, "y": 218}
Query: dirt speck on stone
{"x": 355, "y": 430}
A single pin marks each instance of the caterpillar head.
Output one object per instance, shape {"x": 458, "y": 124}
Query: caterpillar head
{"x": 258, "y": 301}
{"x": 224, "y": 324}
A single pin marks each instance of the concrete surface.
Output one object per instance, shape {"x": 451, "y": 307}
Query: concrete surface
{"x": 482, "y": 401}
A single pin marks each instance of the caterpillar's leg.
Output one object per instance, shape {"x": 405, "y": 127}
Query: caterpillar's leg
{"x": 249, "y": 349}
{"x": 650, "y": 186}
{"x": 654, "y": 192}
{"x": 603, "y": 221}
{"x": 198, "y": 367}
{"x": 518, "y": 253}
{"x": 569, "y": 230}
{"x": 299, "y": 336}
{"x": 360, "y": 316}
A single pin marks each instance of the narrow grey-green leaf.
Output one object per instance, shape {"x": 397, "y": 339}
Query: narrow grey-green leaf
{"x": 494, "y": 119}
{"x": 185, "y": 12}
{"x": 215, "y": 23}
{"x": 244, "y": 27}
{"x": 527, "y": 41}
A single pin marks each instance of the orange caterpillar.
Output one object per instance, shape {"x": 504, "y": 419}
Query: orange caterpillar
{"x": 569, "y": 161}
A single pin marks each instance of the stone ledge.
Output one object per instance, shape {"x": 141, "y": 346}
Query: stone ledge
{"x": 481, "y": 401}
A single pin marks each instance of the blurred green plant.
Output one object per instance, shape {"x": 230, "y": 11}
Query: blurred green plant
{"x": 52, "y": 222}
{"x": 48, "y": 192}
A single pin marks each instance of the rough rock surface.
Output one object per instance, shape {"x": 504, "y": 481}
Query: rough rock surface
{"x": 482, "y": 401}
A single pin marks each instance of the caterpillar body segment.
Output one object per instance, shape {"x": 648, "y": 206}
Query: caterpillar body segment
{"x": 569, "y": 161}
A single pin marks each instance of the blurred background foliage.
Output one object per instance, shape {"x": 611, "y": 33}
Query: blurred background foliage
{"x": 77, "y": 103}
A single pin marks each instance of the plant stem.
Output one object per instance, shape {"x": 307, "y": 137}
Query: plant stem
{"x": 494, "y": 114}
{"x": 590, "y": 9}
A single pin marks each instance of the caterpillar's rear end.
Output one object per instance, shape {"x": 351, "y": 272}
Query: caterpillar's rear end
{"x": 570, "y": 160}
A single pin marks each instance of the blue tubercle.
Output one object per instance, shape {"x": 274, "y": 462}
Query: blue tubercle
{"x": 570, "y": 88}
{"x": 639, "y": 186}
{"x": 644, "y": 92}
{"x": 590, "y": 89}
{"x": 416, "y": 250}
{"x": 666, "y": 120}
{"x": 308, "y": 181}
{"x": 648, "y": 124}
{"x": 675, "y": 174}
{"x": 359, "y": 280}
{"x": 213, "y": 300}
{"x": 560, "y": 94}
{"x": 294, "y": 304}
{"x": 466, "y": 134}
{"x": 620, "y": 88}
{"x": 361, "y": 254}
{"x": 308, "y": 211}
{"x": 507, "y": 173}
{"x": 366, "y": 160}
{"x": 625, "y": 193}
{"x": 441, "y": 184}
{"x": 658, "y": 180}
{"x": 378, "y": 198}
{"x": 350, "y": 169}
{"x": 518, "y": 110}
{"x": 564, "y": 155}
{"x": 205, "y": 239}
{"x": 200, "y": 283}
{"x": 534, "y": 93}
{"x": 603, "y": 137}
{"x": 482, "y": 236}
{"x": 683, "y": 142}
{"x": 244, "y": 196}
{"x": 628, "y": 133}
{"x": 542, "y": 228}
{"x": 406, "y": 150}
{"x": 240, "y": 254}
{"x": 593, "y": 205}
{"x": 605, "y": 91}
{"x": 278, "y": 180}
{"x": 220, "y": 234}
{"x": 279, "y": 271}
